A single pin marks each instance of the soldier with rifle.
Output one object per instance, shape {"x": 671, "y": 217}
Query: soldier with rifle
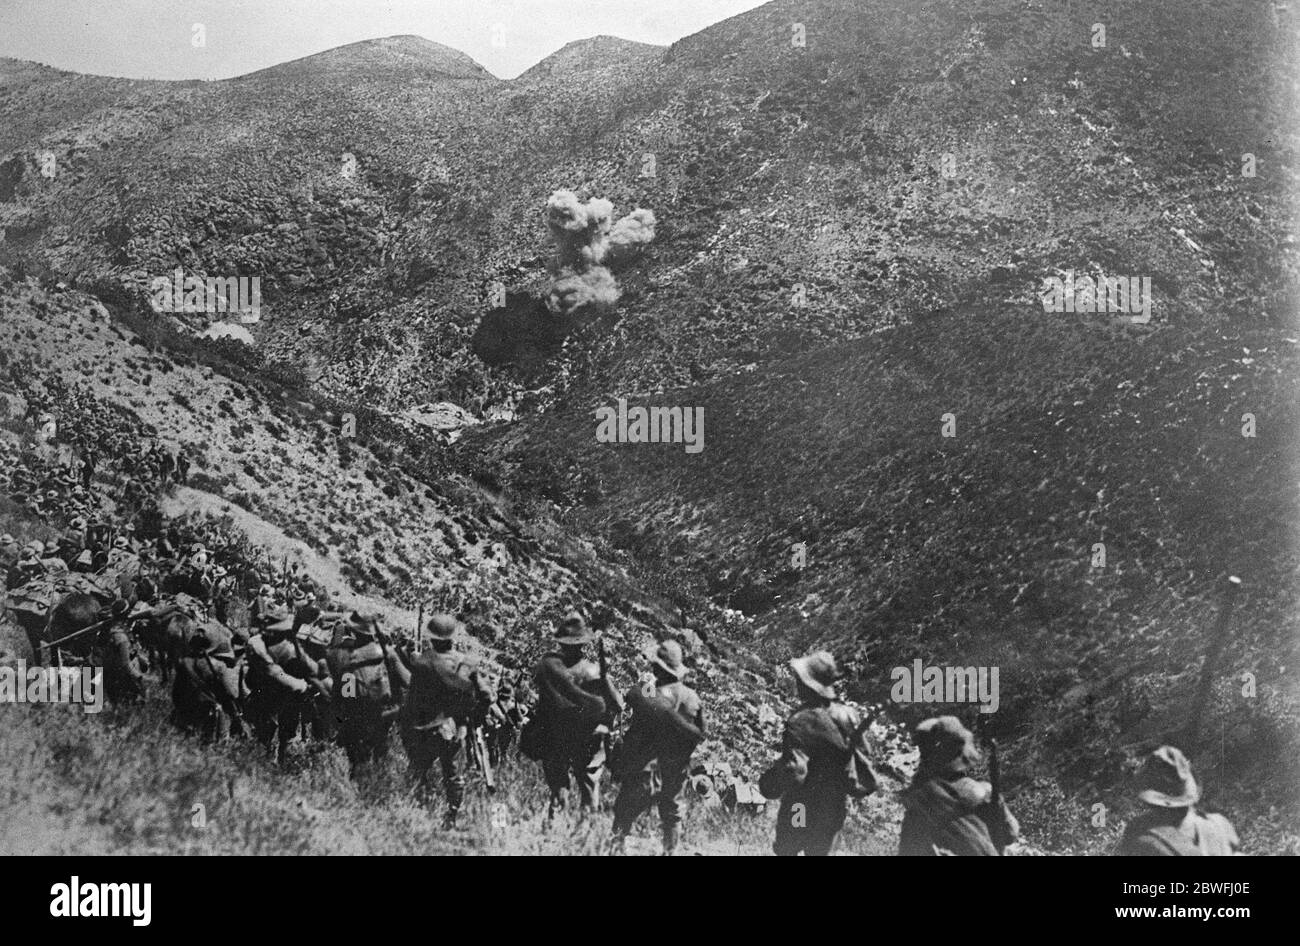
{"x": 369, "y": 681}
{"x": 576, "y": 707}
{"x": 946, "y": 812}
{"x": 445, "y": 704}
{"x": 655, "y": 755}
{"x": 824, "y": 761}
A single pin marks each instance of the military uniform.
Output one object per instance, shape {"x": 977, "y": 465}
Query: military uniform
{"x": 29, "y": 567}
{"x": 1171, "y": 826}
{"x": 447, "y": 694}
{"x": 946, "y": 812}
{"x": 573, "y": 716}
{"x": 824, "y": 759}
{"x": 655, "y": 754}
{"x": 115, "y": 651}
{"x": 283, "y": 680}
{"x": 208, "y": 688}
{"x": 368, "y": 684}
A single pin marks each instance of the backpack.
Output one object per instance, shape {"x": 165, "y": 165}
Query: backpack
{"x": 361, "y": 673}
{"x": 859, "y": 779}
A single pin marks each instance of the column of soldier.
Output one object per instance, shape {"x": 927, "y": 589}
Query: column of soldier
{"x": 305, "y": 664}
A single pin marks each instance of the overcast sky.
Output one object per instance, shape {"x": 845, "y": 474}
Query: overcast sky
{"x": 153, "y": 38}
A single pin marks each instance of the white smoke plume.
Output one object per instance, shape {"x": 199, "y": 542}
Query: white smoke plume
{"x": 585, "y": 238}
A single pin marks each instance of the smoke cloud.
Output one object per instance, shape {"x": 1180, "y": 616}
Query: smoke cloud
{"x": 585, "y": 239}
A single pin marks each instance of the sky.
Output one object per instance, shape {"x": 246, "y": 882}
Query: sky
{"x": 156, "y": 39}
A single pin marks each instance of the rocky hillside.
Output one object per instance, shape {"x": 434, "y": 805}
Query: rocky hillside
{"x": 857, "y": 202}
{"x": 905, "y": 155}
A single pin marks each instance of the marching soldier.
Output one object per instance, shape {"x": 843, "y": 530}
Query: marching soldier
{"x": 283, "y": 681}
{"x": 207, "y": 691}
{"x": 655, "y": 757}
{"x": 1172, "y": 826}
{"x": 506, "y": 718}
{"x": 824, "y": 760}
{"x": 369, "y": 681}
{"x": 576, "y": 706}
{"x": 448, "y": 694}
{"x": 946, "y": 812}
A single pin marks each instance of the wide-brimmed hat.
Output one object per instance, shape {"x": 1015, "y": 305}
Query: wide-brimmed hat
{"x": 573, "y": 630}
{"x": 818, "y": 672}
{"x": 443, "y": 626}
{"x": 120, "y": 542}
{"x": 265, "y": 591}
{"x": 8, "y": 539}
{"x": 668, "y": 658}
{"x": 34, "y": 548}
{"x": 1166, "y": 781}
{"x": 945, "y": 744}
{"x": 77, "y": 523}
{"x": 361, "y": 622}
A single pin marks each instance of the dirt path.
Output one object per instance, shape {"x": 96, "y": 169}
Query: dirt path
{"x": 323, "y": 570}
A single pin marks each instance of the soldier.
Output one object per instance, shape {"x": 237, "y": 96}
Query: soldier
{"x": 448, "y": 694}
{"x": 576, "y": 706}
{"x": 115, "y": 651}
{"x": 283, "y": 681}
{"x": 369, "y": 681}
{"x": 263, "y": 604}
{"x": 29, "y": 566}
{"x": 1172, "y": 826}
{"x": 667, "y": 724}
{"x": 946, "y": 812}
{"x": 824, "y": 759}
{"x": 506, "y": 718}
{"x": 208, "y": 689}
{"x": 9, "y": 552}
{"x": 182, "y": 468}
{"x": 88, "y": 460}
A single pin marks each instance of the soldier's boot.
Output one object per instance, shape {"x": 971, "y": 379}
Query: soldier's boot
{"x": 672, "y": 835}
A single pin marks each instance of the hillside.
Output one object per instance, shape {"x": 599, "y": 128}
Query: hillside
{"x": 851, "y": 238}
{"x": 775, "y": 167}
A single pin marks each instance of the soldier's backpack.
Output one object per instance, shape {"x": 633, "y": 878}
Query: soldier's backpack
{"x": 361, "y": 673}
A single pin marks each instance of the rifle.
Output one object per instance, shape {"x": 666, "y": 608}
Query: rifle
{"x": 995, "y": 773}
{"x": 479, "y": 752}
{"x": 419, "y": 630}
{"x": 1218, "y": 637}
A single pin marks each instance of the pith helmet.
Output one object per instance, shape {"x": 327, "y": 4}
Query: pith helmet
{"x": 818, "y": 672}
{"x": 573, "y": 630}
{"x": 1166, "y": 780}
